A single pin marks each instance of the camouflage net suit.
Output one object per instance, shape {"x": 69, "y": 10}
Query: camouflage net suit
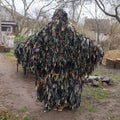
{"x": 60, "y": 58}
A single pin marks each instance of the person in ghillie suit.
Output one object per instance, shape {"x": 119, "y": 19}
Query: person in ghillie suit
{"x": 61, "y": 58}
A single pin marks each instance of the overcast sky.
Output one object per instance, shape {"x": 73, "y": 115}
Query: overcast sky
{"x": 87, "y": 11}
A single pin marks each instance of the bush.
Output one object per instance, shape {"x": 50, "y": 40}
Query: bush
{"x": 19, "y": 39}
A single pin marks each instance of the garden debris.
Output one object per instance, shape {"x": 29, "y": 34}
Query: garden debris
{"x": 96, "y": 81}
{"x": 3, "y": 110}
{"x": 60, "y": 58}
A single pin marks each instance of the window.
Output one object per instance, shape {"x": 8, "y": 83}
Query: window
{"x": 5, "y": 28}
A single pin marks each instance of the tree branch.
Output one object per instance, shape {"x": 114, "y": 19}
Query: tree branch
{"x": 40, "y": 11}
{"x": 28, "y": 6}
{"x": 116, "y": 9}
{"x": 100, "y": 4}
{"x": 82, "y": 4}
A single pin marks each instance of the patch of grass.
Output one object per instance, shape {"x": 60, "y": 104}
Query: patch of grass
{"x": 9, "y": 116}
{"x": 96, "y": 73}
{"x": 101, "y": 94}
{"x": 110, "y": 72}
{"x": 10, "y": 54}
{"x": 22, "y": 110}
{"x": 112, "y": 116}
{"x": 95, "y": 94}
{"x": 27, "y": 118}
{"x": 92, "y": 95}
{"x": 116, "y": 118}
{"x": 91, "y": 109}
{"x": 117, "y": 77}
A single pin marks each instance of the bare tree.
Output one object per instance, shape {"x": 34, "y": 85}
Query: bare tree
{"x": 21, "y": 20}
{"x": 75, "y": 7}
{"x": 26, "y": 21}
{"x": 116, "y": 13}
{"x": 42, "y": 14}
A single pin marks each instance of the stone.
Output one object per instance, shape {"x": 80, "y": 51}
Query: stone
{"x": 95, "y": 83}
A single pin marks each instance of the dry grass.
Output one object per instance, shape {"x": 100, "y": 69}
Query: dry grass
{"x": 113, "y": 54}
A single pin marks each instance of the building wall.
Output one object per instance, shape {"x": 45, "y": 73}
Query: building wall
{"x": 8, "y": 40}
{"x": 8, "y": 35}
{"x": 5, "y": 14}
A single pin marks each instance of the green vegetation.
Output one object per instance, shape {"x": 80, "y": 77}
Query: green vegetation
{"x": 91, "y": 108}
{"x": 26, "y": 118}
{"x": 116, "y": 118}
{"x": 111, "y": 116}
{"x": 93, "y": 95}
{"x": 13, "y": 117}
{"x": 19, "y": 39}
{"x": 22, "y": 115}
{"x": 22, "y": 110}
{"x": 9, "y": 116}
{"x": 10, "y": 54}
{"x": 91, "y": 98}
{"x": 117, "y": 77}
{"x": 99, "y": 93}
{"x": 96, "y": 73}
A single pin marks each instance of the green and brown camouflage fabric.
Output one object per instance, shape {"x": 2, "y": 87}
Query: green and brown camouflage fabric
{"x": 60, "y": 58}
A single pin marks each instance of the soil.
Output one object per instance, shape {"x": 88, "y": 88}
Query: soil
{"x": 17, "y": 92}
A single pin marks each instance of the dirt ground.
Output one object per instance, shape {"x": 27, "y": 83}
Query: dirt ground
{"x": 17, "y": 93}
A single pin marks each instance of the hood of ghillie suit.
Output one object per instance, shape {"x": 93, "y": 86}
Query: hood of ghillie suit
{"x": 57, "y": 28}
{"x": 60, "y": 16}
